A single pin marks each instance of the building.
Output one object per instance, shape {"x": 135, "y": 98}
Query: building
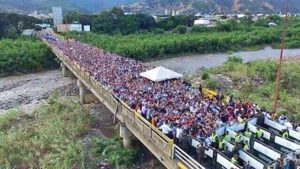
{"x": 44, "y": 25}
{"x": 70, "y": 27}
{"x": 40, "y": 15}
{"x": 63, "y": 27}
{"x": 57, "y": 16}
{"x": 86, "y": 28}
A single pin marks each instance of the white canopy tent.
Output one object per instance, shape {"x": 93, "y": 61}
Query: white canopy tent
{"x": 160, "y": 74}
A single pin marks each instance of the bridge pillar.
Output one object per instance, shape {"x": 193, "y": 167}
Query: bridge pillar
{"x": 65, "y": 71}
{"x": 81, "y": 91}
{"x": 126, "y": 135}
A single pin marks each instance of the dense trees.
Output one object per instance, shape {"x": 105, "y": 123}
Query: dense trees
{"x": 24, "y": 55}
{"x": 172, "y": 22}
{"x": 115, "y": 21}
{"x": 154, "y": 45}
{"x": 181, "y": 29}
{"x": 12, "y": 24}
{"x": 146, "y": 46}
{"x": 157, "y": 39}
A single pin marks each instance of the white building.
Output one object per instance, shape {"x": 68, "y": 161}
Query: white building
{"x": 57, "y": 16}
{"x": 69, "y": 27}
{"x": 44, "y": 25}
{"x": 86, "y": 28}
{"x": 40, "y": 15}
{"x": 205, "y": 22}
{"x": 241, "y": 15}
{"x": 76, "y": 27}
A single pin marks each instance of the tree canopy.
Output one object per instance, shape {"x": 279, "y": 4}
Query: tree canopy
{"x": 12, "y": 24}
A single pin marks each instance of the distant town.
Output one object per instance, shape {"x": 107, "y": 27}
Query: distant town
{"x": 157, "y": 12}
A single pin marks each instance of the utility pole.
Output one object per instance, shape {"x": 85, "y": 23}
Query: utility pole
{"x": 284, "y": 29}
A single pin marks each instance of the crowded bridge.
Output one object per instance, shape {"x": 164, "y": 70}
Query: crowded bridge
{"x": 183, "y": 113}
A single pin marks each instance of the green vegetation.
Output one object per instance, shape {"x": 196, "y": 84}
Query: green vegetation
{"x": 139, "y": 36}
{"x": 52, "y": 137}
{"x": 12, "y": 24}
{"x": 24, "y": 55}
{"x": 254, "y": 81}
{"x": 113, "y": 21}
{"x": 149, "y": 46}
{"x": 180, "y": 29}
{"x": 113, "y": 150}
{"x": 48, "y": 138}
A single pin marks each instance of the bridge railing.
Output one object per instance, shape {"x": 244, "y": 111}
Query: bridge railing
{"x": 148, "y": 130}
{"x": 133, "y": 119}
{"x": 178, "y": 153}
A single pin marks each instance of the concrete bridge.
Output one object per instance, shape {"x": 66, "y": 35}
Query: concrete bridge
{"x": 132, "y": 123}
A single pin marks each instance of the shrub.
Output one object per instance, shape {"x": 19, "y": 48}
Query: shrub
{"x": 205, "y": 76}
{"x": 158, "y": 31}
{"x": 25, "y": 55}
{"x": 212, "y": 84}
{"x": 181, "y": 29}
{"x": 235, "y": 59}
{"x": 113, "y": 150}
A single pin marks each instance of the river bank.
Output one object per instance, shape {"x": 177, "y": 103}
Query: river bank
{"x": 190, "y": 64}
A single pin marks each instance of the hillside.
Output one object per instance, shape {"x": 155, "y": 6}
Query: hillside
{"x": 203, "y": 6}
{"x": 88, "y": 6}
{"x": 221, "y": 6}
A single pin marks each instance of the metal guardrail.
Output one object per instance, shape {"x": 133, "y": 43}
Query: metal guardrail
{"x": 185, "y": 158}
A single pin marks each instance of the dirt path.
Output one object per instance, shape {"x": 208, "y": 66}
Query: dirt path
{"x": 28, "y": 91}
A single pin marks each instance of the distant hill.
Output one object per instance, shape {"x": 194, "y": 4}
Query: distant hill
{"x": 87, "y": 6}
{"x": 204, "y": 6}
{"x": 221, "y": 6}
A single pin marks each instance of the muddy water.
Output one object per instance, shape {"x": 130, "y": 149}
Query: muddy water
{"x": 190, "y": 64}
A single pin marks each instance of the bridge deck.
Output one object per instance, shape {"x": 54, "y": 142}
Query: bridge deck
{"x": 159, "y": 144}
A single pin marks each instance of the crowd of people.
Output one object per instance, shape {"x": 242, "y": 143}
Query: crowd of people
{"x": 173, "y": 105}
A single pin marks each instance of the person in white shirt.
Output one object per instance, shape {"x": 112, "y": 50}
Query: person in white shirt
{"x": 282, "y": 119}
{"x": 165, "y": 128}
{"x": 179, "y": 131}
